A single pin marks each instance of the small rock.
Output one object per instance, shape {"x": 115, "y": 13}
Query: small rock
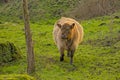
{"x": 102, "y": 24}
{"x": 116, "y": 17}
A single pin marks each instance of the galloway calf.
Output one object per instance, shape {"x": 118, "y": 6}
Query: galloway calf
{"x": 67, "y": 33}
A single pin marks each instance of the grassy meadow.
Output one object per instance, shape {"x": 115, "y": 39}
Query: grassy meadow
{"x": 97, "y": 57}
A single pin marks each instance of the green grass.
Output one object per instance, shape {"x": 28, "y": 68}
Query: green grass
{"x": 16, "y": 77}
{"x": 97, "y": 58}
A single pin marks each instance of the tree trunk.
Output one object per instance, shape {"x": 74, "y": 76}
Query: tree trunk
{"x": 28, "y": 36}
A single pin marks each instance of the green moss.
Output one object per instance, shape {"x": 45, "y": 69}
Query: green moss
{"x": 9, "y": 52}
{"x": 16, "y": 77}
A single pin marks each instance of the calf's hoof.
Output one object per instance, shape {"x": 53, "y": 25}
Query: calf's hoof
{"x": 61, "y": 59}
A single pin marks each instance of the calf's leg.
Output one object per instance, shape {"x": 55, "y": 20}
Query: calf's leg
{"x": 61, "y": 54}
{"x": 71, "y": 56}
{"x": 68, "y": 53}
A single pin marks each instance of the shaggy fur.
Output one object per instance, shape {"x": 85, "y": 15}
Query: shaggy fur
{"x": 67, "y": 33}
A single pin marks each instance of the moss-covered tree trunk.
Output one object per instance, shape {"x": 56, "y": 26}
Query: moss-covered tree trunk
{"x": 9, "y": 52}
{"x": 30, "y": 51}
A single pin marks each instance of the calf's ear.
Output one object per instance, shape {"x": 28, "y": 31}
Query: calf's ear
{"x": 72, "y": 26}
{"x": 59, "y": 25}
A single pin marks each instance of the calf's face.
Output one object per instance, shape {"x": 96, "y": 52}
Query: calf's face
{"x": 66, "y": 30}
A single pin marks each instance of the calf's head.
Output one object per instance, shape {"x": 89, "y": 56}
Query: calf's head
{"x": 66, "y": 30}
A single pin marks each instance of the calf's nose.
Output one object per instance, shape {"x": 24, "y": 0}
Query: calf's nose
{"x": 63, "y": 37}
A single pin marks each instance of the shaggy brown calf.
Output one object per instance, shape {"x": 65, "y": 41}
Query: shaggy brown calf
{"x": 67, "y": 34}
